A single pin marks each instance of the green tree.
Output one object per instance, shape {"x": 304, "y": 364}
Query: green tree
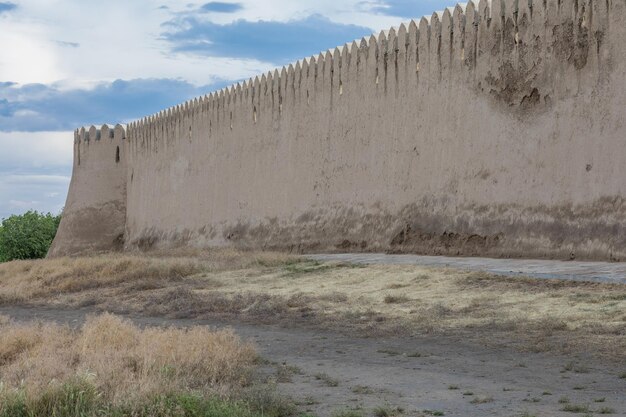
{"x": 27, "y": 236}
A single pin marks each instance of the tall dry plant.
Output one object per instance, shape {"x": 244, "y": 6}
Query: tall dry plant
{"x": 124, "y": 363}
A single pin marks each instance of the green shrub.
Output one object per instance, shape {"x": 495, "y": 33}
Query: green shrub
{"x": 80, "y": 399}
{"x": 27, "y": 236}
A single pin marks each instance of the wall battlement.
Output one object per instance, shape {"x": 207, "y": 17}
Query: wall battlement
{"x": 493, "y": 128}
{"x": 117, "y": 132}
{"x": 458, "y": 42}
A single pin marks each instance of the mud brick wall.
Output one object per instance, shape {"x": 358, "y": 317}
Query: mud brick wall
{"x": 492, "y": 129}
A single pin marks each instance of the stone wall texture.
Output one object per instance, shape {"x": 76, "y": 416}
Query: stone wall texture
{"x": 492, "y": 129}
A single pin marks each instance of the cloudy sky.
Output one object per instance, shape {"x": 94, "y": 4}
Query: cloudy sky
{"x": 69, "y": 63}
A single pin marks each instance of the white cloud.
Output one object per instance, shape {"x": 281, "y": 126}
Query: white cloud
{"x": 115, "y": 40}
{"x": 26, "y": 55}
{"x": 37, "y": 179}
{"x": 85, "y": 42}
{"x": 28, "y": 150}
{"x": 35, "y": 171}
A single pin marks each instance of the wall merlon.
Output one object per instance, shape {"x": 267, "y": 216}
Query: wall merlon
{"x": 402, "y": 35}
{"x": 336, "y": 60}
{"x": 446, "y": 19}
{"x": 268, "y": 76}
{"x": 392, "y": 41}
{"x": 424, "y": 28}
{"x": 228, "y": 98}
{"x": 459, "y": 46}
{"x": 381, "y": 39}
{"x": 458, "y": 15}
{"x": 107, "y": 132}
{"x": 119, "y": 132}
{"x": 94, "y": 133}
{"x": 471, "y": 15}
{"x": 435, "y": 22}
{"x": 304, "y": 71}
{"x": 372, "y": 43}
{"x": 327, "y": 67}
{"x": 447, "y": 29}
{"x": 412, "y": 27}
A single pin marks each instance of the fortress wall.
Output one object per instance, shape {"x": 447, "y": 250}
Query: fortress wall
{"x": 94, "y": 216}
{"x": 495, "y": 129}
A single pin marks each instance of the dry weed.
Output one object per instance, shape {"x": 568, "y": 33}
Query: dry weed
{"x": 25, "y": 281}
{"x": 124, "y": 363}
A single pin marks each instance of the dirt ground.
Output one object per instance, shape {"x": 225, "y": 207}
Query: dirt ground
{"x": 327, "y": 372}
{"x": 608, "y": 272}
{"x": 368, "y": 340}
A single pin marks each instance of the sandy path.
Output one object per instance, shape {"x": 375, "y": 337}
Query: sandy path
{"x": 412, "y": 373}
{"x": 569, "y": 270}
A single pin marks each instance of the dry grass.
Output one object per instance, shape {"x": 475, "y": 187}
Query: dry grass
{"x": 125, "y": 364}
{"x": 25, "y": 281}
{"x": 373, "y": 300}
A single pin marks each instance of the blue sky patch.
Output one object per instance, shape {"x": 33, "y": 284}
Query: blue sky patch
{"x": 278, "y": 42}
{"x": 221, "y": 7}
{"x": 7, "y": 7}
{"x": 39, "y": 107}
{"x": 409, "y": 9}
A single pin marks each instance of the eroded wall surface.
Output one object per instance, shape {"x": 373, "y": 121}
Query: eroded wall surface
{"x": 94, "y": 216}
{"x": 495, "y": 130}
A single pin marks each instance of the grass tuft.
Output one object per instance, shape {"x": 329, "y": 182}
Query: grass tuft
{"x": 387, "y": 411}
{"x": 396, "y": 299}
{"x": 348, "y": 413}
{"x": 362, "y": 389}
{"x": 482, "y": 400}
{"x": 575, "y": 408}
{"x": 327, "y": 379}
